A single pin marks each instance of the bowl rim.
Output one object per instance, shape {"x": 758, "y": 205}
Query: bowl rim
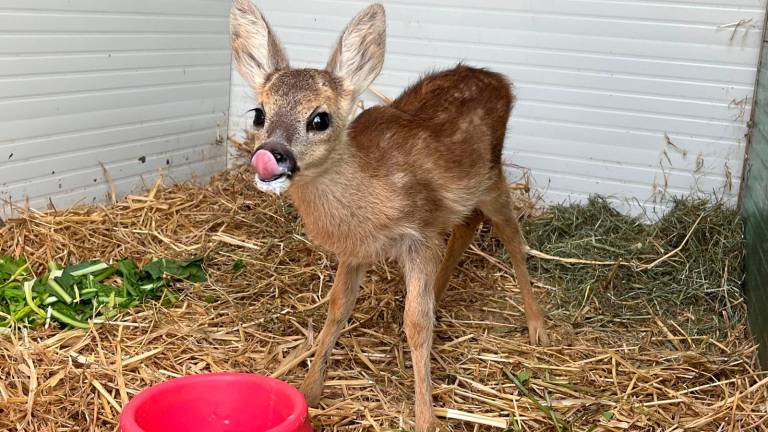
{"x": 295, "y": 419}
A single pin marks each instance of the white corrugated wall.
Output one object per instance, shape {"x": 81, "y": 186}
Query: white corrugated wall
{"x": 631, "y": 99}
{"x": 137, "y": 85}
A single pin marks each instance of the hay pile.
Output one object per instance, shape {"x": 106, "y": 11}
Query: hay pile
{"x": 634, "y": 350}
{"x": 698, "y": 287}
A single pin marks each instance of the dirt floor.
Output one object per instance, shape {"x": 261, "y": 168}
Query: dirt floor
{"x": 266, "y": 301}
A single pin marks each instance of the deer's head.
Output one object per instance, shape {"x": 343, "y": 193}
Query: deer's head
{"x": 302, "y": 115}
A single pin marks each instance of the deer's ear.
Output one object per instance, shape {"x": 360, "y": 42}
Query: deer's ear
{"x": 359, "y": 53}
{"x": 255, "y": 48}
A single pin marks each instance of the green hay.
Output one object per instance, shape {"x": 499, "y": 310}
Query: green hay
{"x": 697, "y": 288}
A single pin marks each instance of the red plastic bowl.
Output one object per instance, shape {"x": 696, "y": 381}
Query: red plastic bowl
{"x": 217, "y": 402}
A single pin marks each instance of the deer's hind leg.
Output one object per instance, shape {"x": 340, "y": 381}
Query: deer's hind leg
{"x": 498, "y": 207}
{"x": 460, "y": 240}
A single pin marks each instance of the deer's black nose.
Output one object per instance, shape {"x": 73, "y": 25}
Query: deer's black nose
{"x": 282, "y": 154}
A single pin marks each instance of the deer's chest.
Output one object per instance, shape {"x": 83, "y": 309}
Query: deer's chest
{"x": 350, "y": 227}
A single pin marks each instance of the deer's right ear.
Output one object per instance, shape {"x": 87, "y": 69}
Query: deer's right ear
{"x": 255, "y": 48}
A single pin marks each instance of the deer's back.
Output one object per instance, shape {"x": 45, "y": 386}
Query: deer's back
{"x": 441, "y": 96}
{"x": 438, "y": 146}
{"x": 456, "y": 119}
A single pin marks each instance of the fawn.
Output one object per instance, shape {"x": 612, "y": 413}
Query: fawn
{"x": 390, "y": 183}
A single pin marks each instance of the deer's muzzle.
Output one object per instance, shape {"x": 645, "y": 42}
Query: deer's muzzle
{"x": 272, "y": 161}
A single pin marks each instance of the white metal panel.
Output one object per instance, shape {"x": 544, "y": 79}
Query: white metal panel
{"x": 137, "y": 86}
{"x": 629, "y": 98}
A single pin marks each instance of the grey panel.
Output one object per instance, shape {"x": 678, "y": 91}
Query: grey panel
{"x": 139, "y": 86}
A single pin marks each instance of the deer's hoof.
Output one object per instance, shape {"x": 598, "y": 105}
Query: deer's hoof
{"x": 312, "y": 392}
{"x": 537, "y": 332}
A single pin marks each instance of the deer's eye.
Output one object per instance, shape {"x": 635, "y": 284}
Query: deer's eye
{"x": 258, "y": 118}
{"x": 319, "y": 122}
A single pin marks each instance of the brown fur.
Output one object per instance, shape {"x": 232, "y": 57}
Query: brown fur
{"x": 391, "y": 183}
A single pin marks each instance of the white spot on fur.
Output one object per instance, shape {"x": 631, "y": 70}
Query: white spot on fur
{"x": 276, "y": 187}
{"x": 399, "y": 179}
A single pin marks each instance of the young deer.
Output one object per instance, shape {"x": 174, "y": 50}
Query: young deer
{"x": 387, "y": 185}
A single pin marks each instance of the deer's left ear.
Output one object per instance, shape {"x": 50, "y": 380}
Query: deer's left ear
{"x": 255, "y": 48}
{"x": 359, "y": 54}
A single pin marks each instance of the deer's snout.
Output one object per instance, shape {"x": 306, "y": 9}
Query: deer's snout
{"x": 273, "y": 160}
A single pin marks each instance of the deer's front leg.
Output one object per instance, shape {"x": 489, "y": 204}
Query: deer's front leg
{"x": 420, "y": 272}
{"x": 343, "y": 296}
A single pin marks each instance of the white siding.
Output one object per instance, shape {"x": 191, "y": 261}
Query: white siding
{"x": 599, "y": 82}
{"x": 137, "y": 85}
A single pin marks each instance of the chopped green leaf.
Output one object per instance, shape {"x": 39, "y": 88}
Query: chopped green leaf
{"x": 58, "y": 291}
{"x": 85, "y": 268}
{"x": 238, "y": 265}
{"x": 10, "y": 266}
{"x": 30, "y": 299}
{"x": 191, "y": 270}
{"x": 523, "y": 376}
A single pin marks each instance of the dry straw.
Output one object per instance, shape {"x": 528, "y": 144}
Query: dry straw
{"x": 661, "y": 349}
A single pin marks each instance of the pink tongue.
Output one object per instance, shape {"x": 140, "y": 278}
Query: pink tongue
{"x": 265, "y": 165}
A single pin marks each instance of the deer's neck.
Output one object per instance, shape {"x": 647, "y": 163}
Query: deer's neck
{"x": 321, "y": 190}
{"x": 341, "y": 207}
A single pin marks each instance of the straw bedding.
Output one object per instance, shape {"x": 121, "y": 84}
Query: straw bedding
{"x": 635, "y": 347}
